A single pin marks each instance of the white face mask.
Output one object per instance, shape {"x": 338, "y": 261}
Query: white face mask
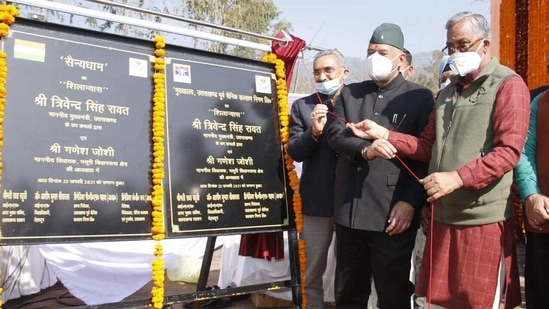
{"x": 404, "y": 72}
{"x": 379, "y": 67}
{"x": 466, "y": 62}
{"x": 328, "y": 87}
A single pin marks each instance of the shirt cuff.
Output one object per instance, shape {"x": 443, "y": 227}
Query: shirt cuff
{"x": 467, "y": 178}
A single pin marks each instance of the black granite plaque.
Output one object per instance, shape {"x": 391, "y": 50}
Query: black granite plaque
{"x": 77, "y": 151}
{"x": 76, "y": 155}
{"x": 225, "y": 160}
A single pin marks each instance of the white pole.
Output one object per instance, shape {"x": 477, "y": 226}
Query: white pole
{"x": 142, "y": 23}
{"x": 188, "y": 20}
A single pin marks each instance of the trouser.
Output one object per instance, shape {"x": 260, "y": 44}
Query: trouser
{"x": 364, "y": 254}
{"x": 536, "y": 270}
{"x": 417, "y": 255}
{"x": 318, "y": 233}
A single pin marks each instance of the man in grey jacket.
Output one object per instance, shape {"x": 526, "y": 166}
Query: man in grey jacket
{"x": 308, "y": 144}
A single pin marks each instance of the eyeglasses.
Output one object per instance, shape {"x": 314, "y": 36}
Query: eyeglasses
{"x": 326, "y": 70}
{"x": 461, "y": 47}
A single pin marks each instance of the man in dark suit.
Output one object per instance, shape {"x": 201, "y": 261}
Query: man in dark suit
{"x": 377, "y": 202}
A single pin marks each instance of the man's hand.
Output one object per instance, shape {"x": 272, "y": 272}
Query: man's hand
{"x": 368, "y": 129}
{"x": 441, "y": 184}
{"x": 383, "y": 149}
{"x": 400, "y": 218}
{"x": 537, "y": 210}
{"x": 318, "y": 119}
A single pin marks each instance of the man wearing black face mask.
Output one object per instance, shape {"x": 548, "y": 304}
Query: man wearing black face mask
{"x": 308, "y": 145}
{"x": 377, "y": 202}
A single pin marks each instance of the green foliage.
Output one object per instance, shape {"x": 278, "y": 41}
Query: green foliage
{"x": 428, "y": 75}
{"x": 254, "y": 16}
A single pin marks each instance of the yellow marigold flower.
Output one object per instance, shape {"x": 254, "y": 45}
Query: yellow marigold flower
{"x": 158, "y": 236}
{"x": 4, "y": 30}
{"x": 159, "y": 52}
{"x": 159, "y": 41}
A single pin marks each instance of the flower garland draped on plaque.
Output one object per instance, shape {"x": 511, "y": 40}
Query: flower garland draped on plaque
{"x": 158, "y": 122}
{"x": 7, "y": 17}
{"x": 284, "y": 116}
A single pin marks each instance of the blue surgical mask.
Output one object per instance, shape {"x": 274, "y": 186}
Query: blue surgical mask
{"x": 328, "y": 87}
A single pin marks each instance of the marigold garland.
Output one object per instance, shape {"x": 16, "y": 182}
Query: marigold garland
{"x": 507, "y": 38}
{"x": 158, "y": 121}
{"x": 7, "y": 17}
{"x": 538, "y": 43}
{"x": 521, "y": 41}
{"x": 284, "y": 116}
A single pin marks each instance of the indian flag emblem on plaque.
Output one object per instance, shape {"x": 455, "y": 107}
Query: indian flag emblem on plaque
{"x": 29, "y": 50}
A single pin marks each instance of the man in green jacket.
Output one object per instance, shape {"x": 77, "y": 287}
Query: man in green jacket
{"x": 472, "y": 142}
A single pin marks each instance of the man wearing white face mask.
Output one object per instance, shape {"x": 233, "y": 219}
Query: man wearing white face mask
{"x": 308, "y": 145}
{"x": 473, "y": 141}
{"x": 407, "y": 69}
{"x": 377, "y": 202}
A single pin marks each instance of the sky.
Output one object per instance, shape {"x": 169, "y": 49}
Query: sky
{"x": 348, "y": 24}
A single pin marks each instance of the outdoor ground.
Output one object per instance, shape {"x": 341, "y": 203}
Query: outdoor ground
{"x": 57, "y": 296}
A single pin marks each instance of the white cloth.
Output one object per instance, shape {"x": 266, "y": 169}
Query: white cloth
{"x": 24, "y": 271}
{"x": 238, "y": 271}
{"x": 105, "y": 272}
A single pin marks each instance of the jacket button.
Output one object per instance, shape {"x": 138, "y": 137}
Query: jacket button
{"x": 359, "y": 169}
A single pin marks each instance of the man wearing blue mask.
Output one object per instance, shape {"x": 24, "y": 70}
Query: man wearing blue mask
{"x": 444, "y": 72}
{"x": 308, "y": 145}
{"x": 377, "y": 202}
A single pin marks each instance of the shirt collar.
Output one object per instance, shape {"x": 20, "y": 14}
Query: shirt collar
{"x": 394, "y": 83}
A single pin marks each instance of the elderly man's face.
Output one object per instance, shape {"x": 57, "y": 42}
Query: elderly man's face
{"x": 462, "y": 38}
{"x": 327, "y": 68}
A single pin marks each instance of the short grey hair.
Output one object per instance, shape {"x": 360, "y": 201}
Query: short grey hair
{"x": 327, "y": 52}
{"x": 480, "y": 25}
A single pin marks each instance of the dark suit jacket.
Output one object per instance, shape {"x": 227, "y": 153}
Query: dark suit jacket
{"x": 366, "y": 191}
{"x": 317, "y": 174}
